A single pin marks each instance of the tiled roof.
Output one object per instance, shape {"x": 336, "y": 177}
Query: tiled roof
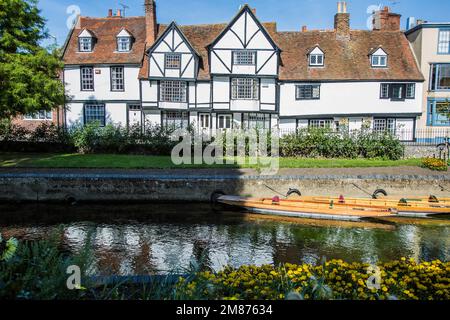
{"x": 344, "y": 59}
{"x": 105, "y": 30}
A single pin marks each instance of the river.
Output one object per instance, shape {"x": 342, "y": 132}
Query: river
{"x": 137, "y": 239}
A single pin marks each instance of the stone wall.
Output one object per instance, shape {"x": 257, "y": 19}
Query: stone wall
{"x": 95, "y": 187}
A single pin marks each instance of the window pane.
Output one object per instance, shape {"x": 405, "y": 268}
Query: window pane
{"x": 410, "y": 90}
{"x": 117, "y": 79}
{"x": 175, "y": 119}
{"x": 123, "y": 44}
{"x": 85, "y": 44}
{"x": 173, "y": 61}
{"x": 173, "y": 91}
{"x": 87, "y": 78}
{"x": 224, "y": 121}
{"x": 444, "y": 41}
{"x": 94, "y": 112}
{"x": 245, "y": 89}
{"x": 384, "y": 90}
{"x": 308, "y": 92}
{"x": 325, "y": 123}
{"x": 244, "y": 57}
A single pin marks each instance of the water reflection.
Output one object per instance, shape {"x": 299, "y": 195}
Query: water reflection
{"x": 161, "y": 238}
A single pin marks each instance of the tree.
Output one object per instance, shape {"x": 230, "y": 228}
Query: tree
{"x": 29, "y": 79}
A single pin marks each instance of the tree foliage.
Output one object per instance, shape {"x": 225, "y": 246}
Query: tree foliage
{"x": 29, "y": 79}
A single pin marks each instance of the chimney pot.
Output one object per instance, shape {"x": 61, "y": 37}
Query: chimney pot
{"x": 342, "y": 21}
{"x": 119, "y": 13}
{"x": 304, "y": 28}
{"x": 110, "y": 13}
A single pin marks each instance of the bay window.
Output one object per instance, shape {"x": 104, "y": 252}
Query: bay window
{"x": 245, "y": 89}
{"x": 440, "y": 77}
{"x": 438, "y": 113}
{"x": 173, "y": 91}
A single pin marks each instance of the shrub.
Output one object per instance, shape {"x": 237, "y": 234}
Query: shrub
{"x": 435, "y": 164}
{"x": 325, "y": 143}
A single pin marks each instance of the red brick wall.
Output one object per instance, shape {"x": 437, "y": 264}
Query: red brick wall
{"x": 33, "y": 124}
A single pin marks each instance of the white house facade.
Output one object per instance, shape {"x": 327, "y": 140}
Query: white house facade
{"x": 245, "y": 74}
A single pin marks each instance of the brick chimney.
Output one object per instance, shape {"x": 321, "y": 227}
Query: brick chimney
{"x": 110, "y": 13}
{"x": 304, "y": 28}
{"x": 384, "y": 20}
{"x": 342, "y": 21}
{"x": 150, "y": 22}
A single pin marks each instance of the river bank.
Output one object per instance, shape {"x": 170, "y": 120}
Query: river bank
{"x": 197, "y": 185}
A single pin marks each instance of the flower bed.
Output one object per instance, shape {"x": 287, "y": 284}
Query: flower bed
{"x": 435, "y": 164}
{"x": 403, "y": 279}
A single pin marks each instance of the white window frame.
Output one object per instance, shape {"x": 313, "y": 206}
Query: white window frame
{"x": 123, "y": 44}
{"x": 173, "y": 91}
{"x": 87, "y": 78}
{"x": 224, "y": 121}
{"x": 320, "y": 123}
{"x": 376, "y": 61}
{"x": 316, "y": 60}
{"x": 41, "y": 115}
{"x": 245, "y": 89}
{"x": 117, "y": 78}
{"x": 314, "y": 90}
{"x": 172, "y": 61}
{"x": 204, "y": 120}
{"x": 382, "y": 125}
{"x": 444, "y": 41}
{"x": 256, "y": 120}
{"x": 244, "y": 58}
{"x": 98, "y": 115}
{"x": 85, "y": 44}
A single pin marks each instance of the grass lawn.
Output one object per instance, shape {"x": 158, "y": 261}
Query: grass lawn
{"x": 163, "y": 162}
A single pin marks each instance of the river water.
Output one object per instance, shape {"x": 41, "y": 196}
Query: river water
{"x": 160, "y": 238}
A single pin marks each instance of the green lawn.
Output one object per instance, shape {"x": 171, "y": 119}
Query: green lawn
{"x": 162, "y": 162}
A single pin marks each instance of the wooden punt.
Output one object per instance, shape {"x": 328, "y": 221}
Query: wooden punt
{"x": 302, "y": 209}
{"x": 404, "y": 207}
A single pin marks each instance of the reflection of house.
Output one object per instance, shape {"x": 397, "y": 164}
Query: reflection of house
{"x": 431, "y": 44}
{"x": 242, "y": 74}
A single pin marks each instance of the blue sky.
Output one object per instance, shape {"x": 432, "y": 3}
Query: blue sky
{"x": 289, "y": 14}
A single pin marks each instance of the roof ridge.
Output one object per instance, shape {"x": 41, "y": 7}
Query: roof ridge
{"x": 112, "y": 18}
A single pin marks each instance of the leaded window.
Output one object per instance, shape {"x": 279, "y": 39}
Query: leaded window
{"x": 307, "y": 92}
{"x": 256, "y": 121}
{"x": 173, "y": 91}
{"x": 173, "y": 61}
{"x": 245, "y": 89}
{"x": 174, "y": 119}
{"x": 244, "y": 57}
{"x": 384, "y": 125}
{"x": 316, "y": 60}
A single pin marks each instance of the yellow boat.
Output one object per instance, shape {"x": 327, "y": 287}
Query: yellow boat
{"x": 301, "y": 209}
{"x": 353, "y": 209}
{"x": 405, "y": 207}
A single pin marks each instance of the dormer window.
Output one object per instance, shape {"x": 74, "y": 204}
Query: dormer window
{"x": 379, "y": 59}
{"x": 85, "y": 44}
{"x": 124, "y": 41}
{"x": 85, "y": 41}
{"x": 316, "y": 57}
{"x": 123, "y": 44}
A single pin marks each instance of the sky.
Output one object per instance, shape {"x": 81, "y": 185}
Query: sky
{"x": 290, "y": 15}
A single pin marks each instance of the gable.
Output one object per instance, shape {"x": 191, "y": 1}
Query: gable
{"x": 85, "y": 34}
{"x": 316, "y": 50}
{"x": 124, "y": 33}
{"x": 173, "y": 44}
{"x": 379, "y": 52}
{"x": 244, "y": 32}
